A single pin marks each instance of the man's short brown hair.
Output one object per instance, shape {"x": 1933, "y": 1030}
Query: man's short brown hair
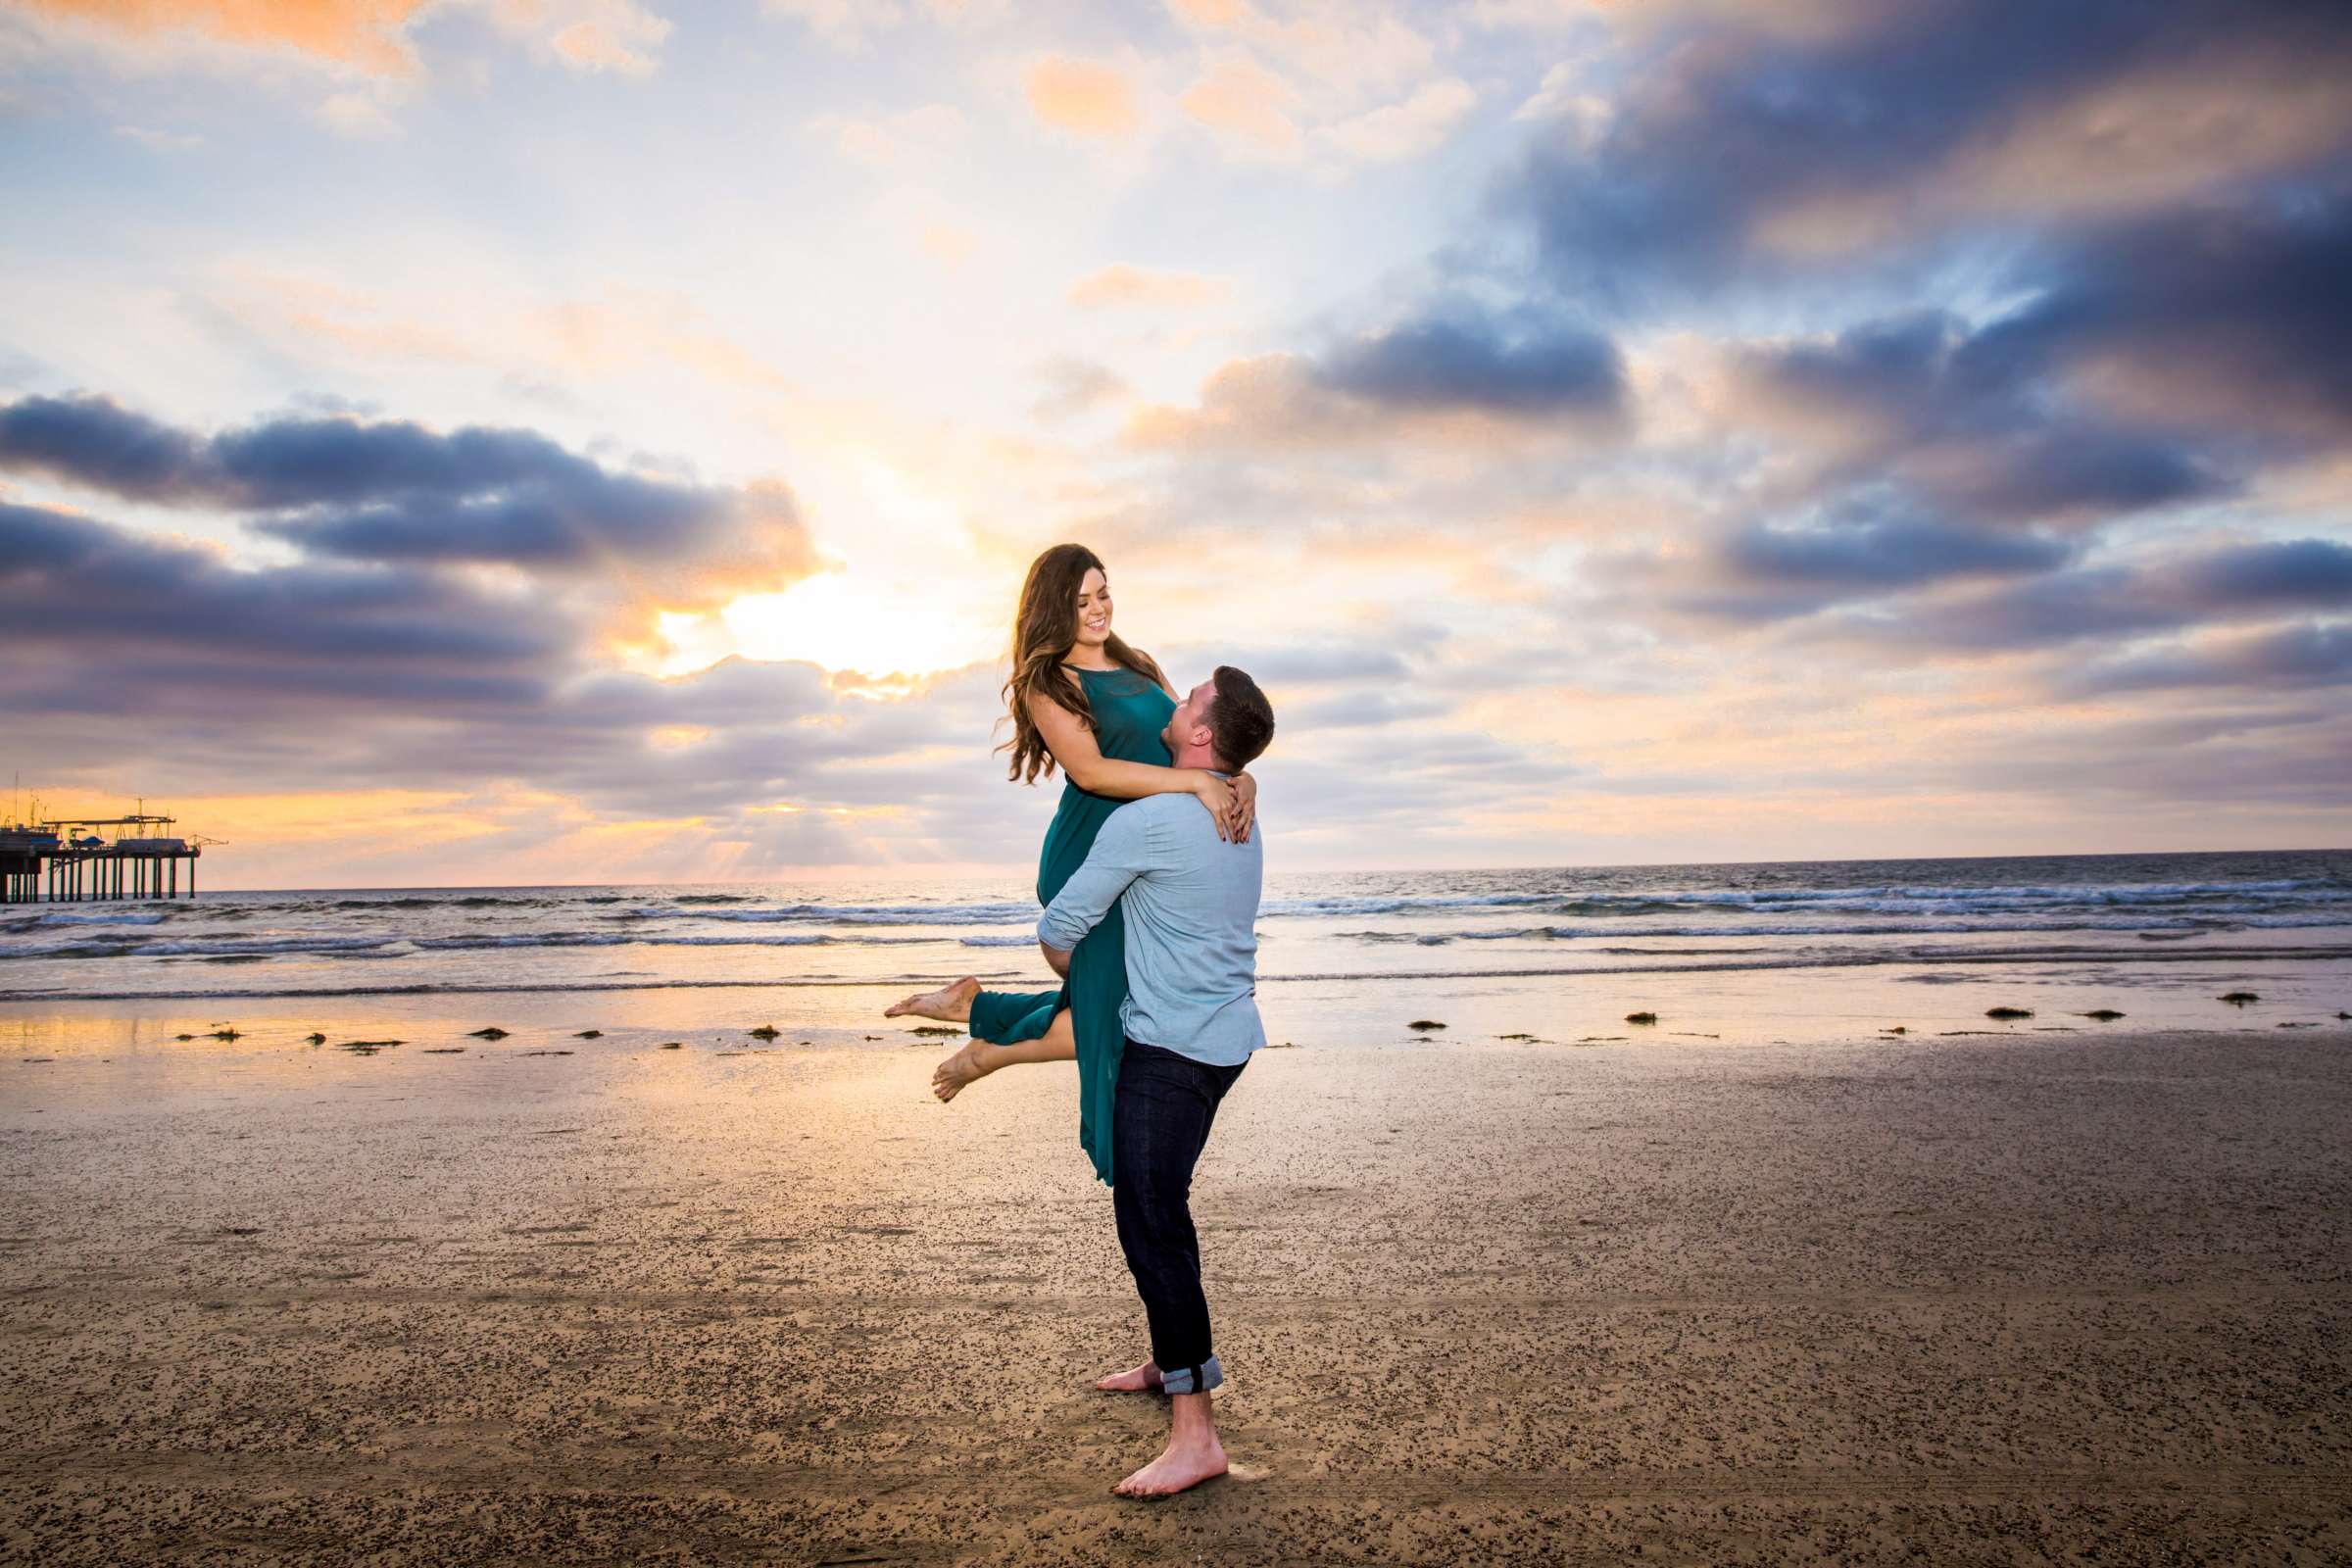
{"x": 1241, "y": 720}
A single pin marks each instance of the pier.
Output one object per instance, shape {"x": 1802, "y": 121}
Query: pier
{"x": 69, "y": 861}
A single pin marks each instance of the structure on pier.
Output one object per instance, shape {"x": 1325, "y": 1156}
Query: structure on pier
{"x": 75, "y": 859}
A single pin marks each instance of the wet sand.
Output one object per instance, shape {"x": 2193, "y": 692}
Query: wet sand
{"x": 1976, "y": 1300}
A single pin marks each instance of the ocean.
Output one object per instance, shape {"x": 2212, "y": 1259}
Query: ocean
{"x": 1930, "y": 945}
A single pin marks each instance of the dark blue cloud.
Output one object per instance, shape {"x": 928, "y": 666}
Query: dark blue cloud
{"x": 1724, "y": 126}
{"x": 1449, "y": 360}
{"x": 392, "y": 490}
{"x": 2237, "y": 312}
{"x": 2293, "y": 656}
{"x": 1962, "y": 414}
{"x": 74, "y": 587}
{"x": 2293, "y": 572}
{"x": 2232, "y": 584}
{"x": 1895, "y": 553}
{"x": 96, "y": 442}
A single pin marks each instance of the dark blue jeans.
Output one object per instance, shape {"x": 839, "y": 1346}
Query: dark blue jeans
{"x": 1160, "y": 1119}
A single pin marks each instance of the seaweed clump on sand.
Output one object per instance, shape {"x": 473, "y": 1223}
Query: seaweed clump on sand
{"x": 366, "y": 1048}
{"x": 933, "y": 1029}
{"x": 589, "y": 1034}
{"x": 669, "y": 1044}
{"x": 2103, "y": 1014}
{"x": 1641, "y": 1017}
{"x": 2008, "y": 1012}
{"x": 494, "y": 1032}
{"x": 1425, "y": 1024}
{"x": 2237, "y": 999}
{"x": 1899, "y": 1029}
{"x": 766, "y": 1031}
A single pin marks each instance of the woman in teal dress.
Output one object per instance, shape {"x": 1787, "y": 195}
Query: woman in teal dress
{"x": 1081, "y": 698}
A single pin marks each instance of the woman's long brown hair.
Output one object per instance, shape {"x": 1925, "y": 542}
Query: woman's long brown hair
{"x": 1043, "y": 631}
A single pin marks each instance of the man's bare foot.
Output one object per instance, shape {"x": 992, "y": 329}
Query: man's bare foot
{"x": 1187, "y": 1462}
{"x": 1142, "y": 1379}
{"x": 948, "y": 1004}
{"x": 960, "y": 1071}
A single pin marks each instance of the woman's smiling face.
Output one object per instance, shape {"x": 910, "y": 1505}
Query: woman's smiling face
{"x": 1093, "y": 610}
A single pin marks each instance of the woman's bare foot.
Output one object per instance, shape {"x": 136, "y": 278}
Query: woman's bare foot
{"x": 961, "y": 1070}
{"x": 948, "y": 1004}
{"x": 1134, "y": 1380}
{"x": 1186, "y": 1462}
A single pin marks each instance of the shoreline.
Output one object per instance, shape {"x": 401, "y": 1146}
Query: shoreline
{"x": 2117, "y": 958}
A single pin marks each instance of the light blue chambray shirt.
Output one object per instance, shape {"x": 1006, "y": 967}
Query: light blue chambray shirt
{"x": 1191, "y": 906}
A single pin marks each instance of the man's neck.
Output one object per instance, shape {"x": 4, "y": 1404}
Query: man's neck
{"x": 1201, "y": 757}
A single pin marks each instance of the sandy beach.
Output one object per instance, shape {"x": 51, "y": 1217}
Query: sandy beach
{"x": 1979, "y": 1298}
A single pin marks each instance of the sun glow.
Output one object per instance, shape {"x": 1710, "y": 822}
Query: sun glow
{"x": 876, "y": 626}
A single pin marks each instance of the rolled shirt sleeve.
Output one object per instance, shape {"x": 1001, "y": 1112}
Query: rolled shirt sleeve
{"x": 1121, "y": 853}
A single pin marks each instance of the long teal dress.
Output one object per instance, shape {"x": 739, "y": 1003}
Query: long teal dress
{"x": 1130, "y": 712}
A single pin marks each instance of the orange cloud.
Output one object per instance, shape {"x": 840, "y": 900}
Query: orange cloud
{"x": 1083, "y": 97}
{"x": 1120, "y": 286}
{"x": 363, "y": 34}
{"x": 1247, "y": 104}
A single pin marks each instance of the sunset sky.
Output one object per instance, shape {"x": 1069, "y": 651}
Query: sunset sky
{"x": 499, "y": 441}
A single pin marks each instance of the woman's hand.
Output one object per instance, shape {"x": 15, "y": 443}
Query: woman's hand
{"x": 1245, "y": 807}
{"x": 1217, "y": 795}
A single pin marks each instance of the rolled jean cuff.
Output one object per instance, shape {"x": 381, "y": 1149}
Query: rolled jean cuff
{"x": 1191, "y": 1379}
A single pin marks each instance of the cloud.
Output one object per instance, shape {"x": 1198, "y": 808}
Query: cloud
{"x": 1087, "y": 98}
{"x": 1457, "y": 360}
{"x": 395, "y": 491}
{"x": 1364, "y": 710}
{"x": 948, "y": 243}
{"x": 1248, "y": 106}
{"x": 1352, "y": 49}
{"x": 1742, "y": 151}
{"x": 1073, "y": 386}
{"x": 1920, "y": 399}
{"x": 922, "y": 132}
{"x": 161, "y": 141}
{"x": 844, "y": 23}
{"x": 73, "y": 583}
{"x": 1122, "y": 286}
{"x": 615, "y": 36}
{"x": 358, "y": 38}
{"x": 2298, "y": 574}
{"x": 2248, "y": 293}
{"x": 361, "y": 35}
{"x": 1560, "y": 98}
{"x": 1315, "y": 666}
{"x": 2306, "y": 655}
{"x": 1398, "y": 131}
{"x": 1450, "y": 370}
{"x": 1784, "y": 569}
{"x": 360, "y": 116}
{"x": 2235, "y": 582}
{"x": 851, "y": 24}
{"x": 390, "y": 675}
